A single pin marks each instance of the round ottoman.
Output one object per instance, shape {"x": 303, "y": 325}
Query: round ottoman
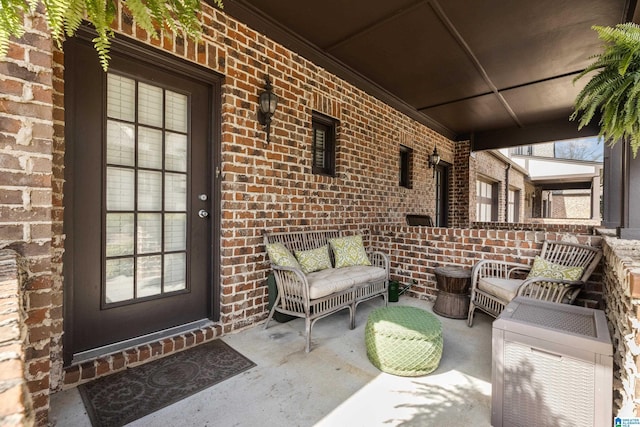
{"x": 404, "y": 341}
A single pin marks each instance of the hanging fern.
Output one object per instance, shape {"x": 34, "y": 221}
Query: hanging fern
{"x": 613, "y": 93}
{"x": 65, "y": 16}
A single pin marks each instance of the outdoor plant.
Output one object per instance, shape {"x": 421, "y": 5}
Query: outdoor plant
{"x": 613, "y": 93}
{"x": 65, "y": 16}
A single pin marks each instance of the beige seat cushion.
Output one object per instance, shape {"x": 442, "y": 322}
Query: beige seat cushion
{"x": 332, "y": 280}
{"x": 504, "y": 289}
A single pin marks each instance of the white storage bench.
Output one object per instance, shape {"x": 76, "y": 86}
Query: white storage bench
{"x": 318, "y": 273}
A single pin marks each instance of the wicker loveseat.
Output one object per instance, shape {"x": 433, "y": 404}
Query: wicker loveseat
{"x": 317, "y": 294}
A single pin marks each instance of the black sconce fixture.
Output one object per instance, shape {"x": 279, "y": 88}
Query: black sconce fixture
{"x": 434, "y": 159}
{"x": 268, "y": 102}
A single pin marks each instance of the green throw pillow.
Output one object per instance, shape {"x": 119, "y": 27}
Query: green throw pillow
{"x": 349, "y": 251}
{"x": 542, "y": 268}
{"x": 280, "y": 255}
{"x": 314, "y": 259}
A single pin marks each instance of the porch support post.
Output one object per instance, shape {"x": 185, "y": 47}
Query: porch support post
{"x": 612, "y": 186}
{"x": 595, "y": 197}
{"x": 630, "y": 222}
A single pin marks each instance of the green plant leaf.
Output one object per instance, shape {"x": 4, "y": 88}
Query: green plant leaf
{"x": 613, "y": 93}
{"x": 64, "y": 17}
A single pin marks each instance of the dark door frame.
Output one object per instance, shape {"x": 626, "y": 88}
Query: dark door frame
{"x": 163, "y": 60}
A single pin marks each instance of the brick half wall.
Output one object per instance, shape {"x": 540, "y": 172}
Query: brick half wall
{"x": 622, "y": 293}
{"x": 416, "y": 251}
{"x": 16, "y": 407}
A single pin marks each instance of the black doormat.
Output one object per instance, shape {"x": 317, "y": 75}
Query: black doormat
{"x": 120, "y": 398}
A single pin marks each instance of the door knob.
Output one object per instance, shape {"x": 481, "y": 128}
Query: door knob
{"x": 202, "y": 213}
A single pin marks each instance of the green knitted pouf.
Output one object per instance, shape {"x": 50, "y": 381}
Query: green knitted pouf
{"x": 404, "y": 341}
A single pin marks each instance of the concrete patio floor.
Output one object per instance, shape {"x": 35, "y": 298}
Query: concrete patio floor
{"x": 333, "y": 385}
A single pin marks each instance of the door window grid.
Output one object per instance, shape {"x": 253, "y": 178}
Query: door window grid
{"x": 146, "y": 218}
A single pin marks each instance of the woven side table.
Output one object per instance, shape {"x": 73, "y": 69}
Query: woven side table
{"x": 453, "y": 292}
{"x": 404, "y": 341}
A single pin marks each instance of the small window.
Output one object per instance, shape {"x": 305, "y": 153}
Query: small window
{"x": 513, "y": 207}
{"x": 324, "y": 143}
{"x": 406, "y": 155}
{"x": 486, "y": 201}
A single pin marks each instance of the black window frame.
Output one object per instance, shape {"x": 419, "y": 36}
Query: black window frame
{"x": 329, "y": 126}
{"x": 487, "y": 201}
{"x": 405, "y": 162}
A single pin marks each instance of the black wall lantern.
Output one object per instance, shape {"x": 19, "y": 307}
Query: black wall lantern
{"x": 434, "y": 159}
{"x": 267, "y": 103}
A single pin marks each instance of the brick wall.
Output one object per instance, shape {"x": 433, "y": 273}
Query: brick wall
{"x": 539, "y": 225}
{"x": 491, "y": 169}
{"x": 622, "y": 293}
{"x": 16, "y": 407}
{"x": 462, "y": 197}
{"x": 571, "y": 205}
{"x": 264, "y": 186}
{"x": 26, "y": 128}
{"x": 416, "y": 251}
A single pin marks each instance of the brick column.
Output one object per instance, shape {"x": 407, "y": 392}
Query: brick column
{"x": 461, "y": 198}
{"x": 26, "y": 130}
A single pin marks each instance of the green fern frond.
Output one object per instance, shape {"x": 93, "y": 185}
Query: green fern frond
{"x": 74, "y": 16}
{"x": 614, "y": 92}
{"x": 139, "y": 11}
{"x": 11, "y": 23}
{"x": 66, "y": 16}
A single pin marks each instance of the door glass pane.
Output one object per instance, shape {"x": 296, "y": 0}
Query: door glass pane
{"x": 149, "y": 276}
{"x": 175, "y": 192}
{"x": 121, "y": 93}
{"x": 120, "y": 144}
{"x": 175, "y": 232}
{"x": 146, "y": 168}
{"x": 175, "y": 272}
{"x": 119, "y": 234}
{"x": 176, "y": 111}
{"x": 149, "y": 148}
{"x": 120, "y": 189}
{"x": 149, "y": 233}
{"x": 149, "y": 105}
{"x": 119, "y": 279}
{"x": 176, "y": 156}
{"x": 149, "y": 191}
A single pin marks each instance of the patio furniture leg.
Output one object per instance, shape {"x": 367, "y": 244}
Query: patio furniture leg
{"x": 272, "y": 312}
{"x": 352, "y": 316}
{"x": 307, "y": 326}
{"x": 472, "y": 308}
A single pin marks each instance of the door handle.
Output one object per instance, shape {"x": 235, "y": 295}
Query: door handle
{"x": 202, "y": 213}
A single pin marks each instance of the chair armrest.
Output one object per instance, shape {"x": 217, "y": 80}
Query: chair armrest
{"x": 493, "y": 268}
{"x": 379, "y": 259}
{"x": 291, "y": 282}
{"x": 553, "y": 290}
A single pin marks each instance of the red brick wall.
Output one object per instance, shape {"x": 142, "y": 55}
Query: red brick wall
{"x": 416, "y": 251}
{"x": 265, "y": 186}
{"x": 462, "y": 197}
{"x": 26, "y": 128}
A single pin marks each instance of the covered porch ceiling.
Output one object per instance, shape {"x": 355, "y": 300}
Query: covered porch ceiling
{"x": 497, "y": 72}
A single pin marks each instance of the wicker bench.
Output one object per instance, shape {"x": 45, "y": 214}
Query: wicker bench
{"x": 343, "y": 288}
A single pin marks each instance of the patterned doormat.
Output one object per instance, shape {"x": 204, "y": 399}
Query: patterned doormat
{"x": 118, "y": 399}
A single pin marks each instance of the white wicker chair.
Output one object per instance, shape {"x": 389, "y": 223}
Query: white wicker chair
{"x": 493, "y": 285}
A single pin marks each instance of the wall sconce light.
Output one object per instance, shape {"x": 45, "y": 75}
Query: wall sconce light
{"x": 268, "y": 102}
{"x": 434, "y": 159}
